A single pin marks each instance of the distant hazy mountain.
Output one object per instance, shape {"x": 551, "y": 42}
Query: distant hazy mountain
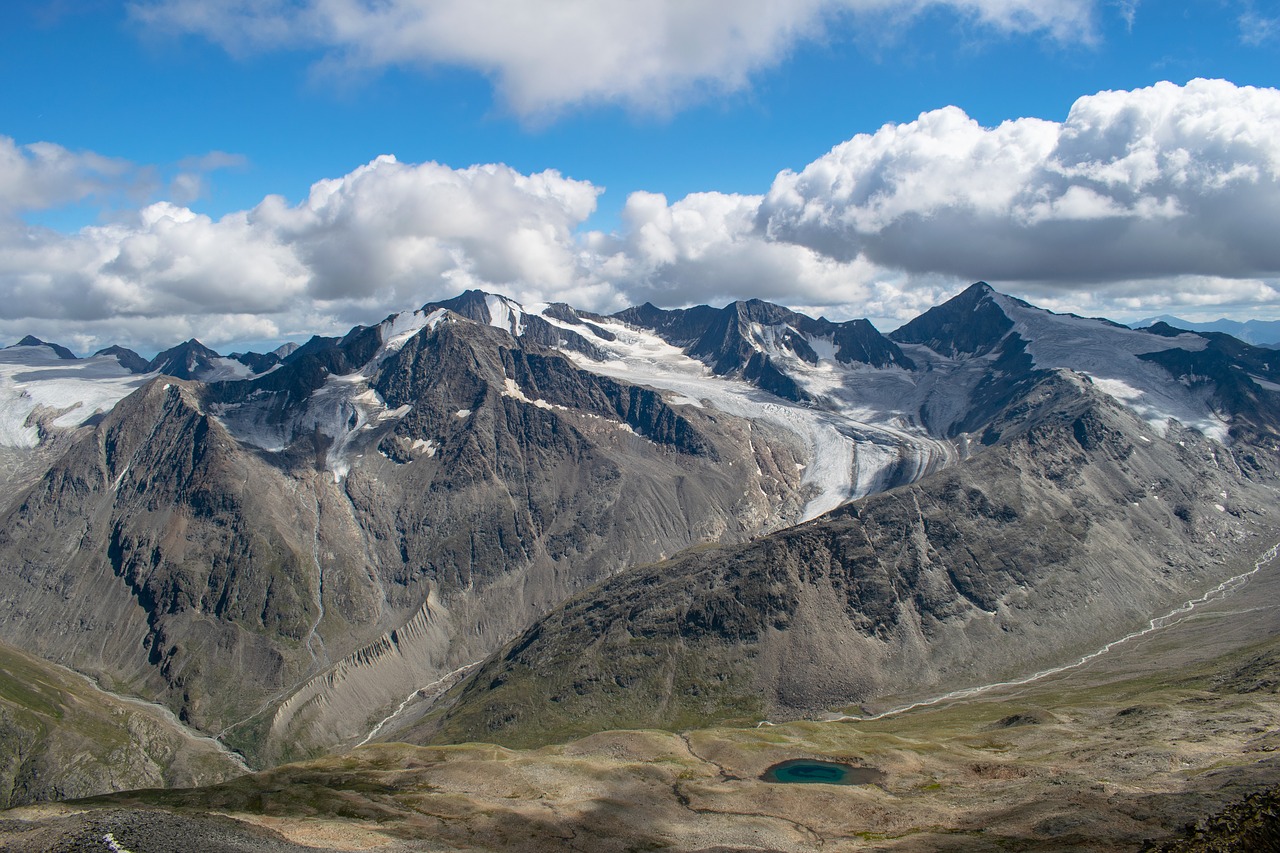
{"x": 1257, "y": 332}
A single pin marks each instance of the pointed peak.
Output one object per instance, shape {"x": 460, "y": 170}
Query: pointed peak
{"x": 972, "y": 296}
{"x": 32, "y": 341}
{"x": 192, "y": 345}
{"x": 128, "y": 359}
{"x": 183, "y": 361}
{"x": 973, "y": 322}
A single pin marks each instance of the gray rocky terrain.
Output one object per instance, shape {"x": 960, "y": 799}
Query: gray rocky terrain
{"x": 1072, "y": 528}
{"x": 169, "y": 555}
{"x": 523, "y": 524}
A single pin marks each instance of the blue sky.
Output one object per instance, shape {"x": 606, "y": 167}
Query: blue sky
{"x": 168, "y": 122}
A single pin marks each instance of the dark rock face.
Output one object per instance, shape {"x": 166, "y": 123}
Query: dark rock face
{"x": 1240, "y": 378}
{"x": 258, "y": 362}
{"x": 175, "y": 567}
{"x": 1001, "y": 564}
{"x": 1011, "y": 375}
{"x": 544, "y": 376}
{"x": 681, "y": 327}
{"x": 568, "y": 314}
{"x": 302, "y": 372}
{"x": 970, "y": 324}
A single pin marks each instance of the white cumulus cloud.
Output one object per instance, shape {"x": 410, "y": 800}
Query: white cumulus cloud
{"x": 546, "y": 56}
{"x": 1162, "y": 181}
{"x": 1140, "y": 202}
{"x": 44, "y": 175}
{"x": 386, "y": 237}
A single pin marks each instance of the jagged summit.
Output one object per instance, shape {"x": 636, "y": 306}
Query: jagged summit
{"x": 32, "y": 341}
{"x": 530, "y": 324}
{"x": 972, "y": 323}
{"x": 755, "y": 339}
{"x": 262, "y": 362}
{"x": 184, "y": 361}
{"x": 258, "y": 362}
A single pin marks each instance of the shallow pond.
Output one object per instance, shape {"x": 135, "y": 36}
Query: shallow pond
{"x": 810, "y": 771}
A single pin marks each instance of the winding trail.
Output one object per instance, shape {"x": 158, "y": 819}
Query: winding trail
{"x": 1222, "y": 590}
{"x": 415, "y": 694}
{"x": 168, "y": 716}
{"x": 312, "y": 636}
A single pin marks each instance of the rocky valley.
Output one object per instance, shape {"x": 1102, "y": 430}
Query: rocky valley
{"x": 609, "y": 547}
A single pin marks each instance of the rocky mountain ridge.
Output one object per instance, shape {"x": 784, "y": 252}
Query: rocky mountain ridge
{"x": 1260, "y": 333}
{"x": 377, "y": 513}
{"x": 1000, "y": 565}
{"x": 293, "y": 527}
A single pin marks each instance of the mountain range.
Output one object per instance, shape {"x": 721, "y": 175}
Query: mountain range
{"x": 523, "y": 524}
{"x": 1265, "y": 333}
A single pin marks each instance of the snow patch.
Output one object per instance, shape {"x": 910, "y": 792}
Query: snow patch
{"x": 462, "y": 413}
{"x": 512, "y": 390}
{"x": 222, "y": 369}
{"x": 1159, "y": 406}
{"x": 505, "y": 314}
{"x": 341, "y": 409}
{"x": 825, "y": 348}
{"x": 397, "y": 330}
{"x": 346, "y": 409}
{"x": 1265, "y": 383}
{"x": 36, "y": 384}
{"x": 1109, "y": 356}
{"x": 114, "y": 846}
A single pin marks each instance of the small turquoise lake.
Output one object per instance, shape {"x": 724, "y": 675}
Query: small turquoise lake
{"x": 809, "y": 771}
